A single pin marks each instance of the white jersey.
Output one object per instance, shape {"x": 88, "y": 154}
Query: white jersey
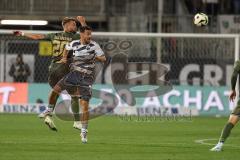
{"x": 84, "y": 55}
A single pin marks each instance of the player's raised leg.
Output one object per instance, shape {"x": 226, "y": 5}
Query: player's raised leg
{"x": 49, "y": 111}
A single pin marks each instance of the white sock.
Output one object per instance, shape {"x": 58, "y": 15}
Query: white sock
{"x": 50, "y": 107}
{"x": 220, "y": 143}
{"x": 84, "y": 130}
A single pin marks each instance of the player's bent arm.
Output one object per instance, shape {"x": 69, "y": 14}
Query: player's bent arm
{"x": 64, "y": 58}
{"x": 233, "y": 80}
{"x": 235, "y": 73}
{"x": 101, "y": 58}
{"x": 82, "y": 20}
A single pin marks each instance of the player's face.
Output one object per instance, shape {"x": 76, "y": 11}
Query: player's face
{"x": 86, "y": 36}
{"x": 71, "y": 26}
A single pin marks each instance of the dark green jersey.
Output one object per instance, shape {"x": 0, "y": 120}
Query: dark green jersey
{"x": 59, "y": 40}
{"x": 236, "y": 72}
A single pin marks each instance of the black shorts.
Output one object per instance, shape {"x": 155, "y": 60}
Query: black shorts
{"x": 77, "y": 84}
{"x": 236, "y": 110}
{"x": 56, "y": 72}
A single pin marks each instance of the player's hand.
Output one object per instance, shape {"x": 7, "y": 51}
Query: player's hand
{"x": 18, "y": 33}
{"x": 232, "y": 95}
{"x": 82, "y": 20}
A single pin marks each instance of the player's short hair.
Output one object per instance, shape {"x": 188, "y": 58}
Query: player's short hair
{"x": 83, "y": 28}
{"x": 68, "y": 19}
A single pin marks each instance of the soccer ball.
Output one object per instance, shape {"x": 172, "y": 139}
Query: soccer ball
{"x": 200, "y": 19}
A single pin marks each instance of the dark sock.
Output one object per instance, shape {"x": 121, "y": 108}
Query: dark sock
{"x": 226, "y": 132}
{"x": 75, "y": 108}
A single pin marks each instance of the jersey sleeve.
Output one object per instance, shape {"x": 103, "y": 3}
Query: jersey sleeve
{"x": 98, "y": 50}
{"x": 49, "y": 36}
{"x": 76, "y": 36}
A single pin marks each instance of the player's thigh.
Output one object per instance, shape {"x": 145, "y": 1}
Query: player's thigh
{"x": 56, "y": 72}
{"x": 234, "y": 117}
{"x": 62, "y": 86}
{"x": 85, "y": 93}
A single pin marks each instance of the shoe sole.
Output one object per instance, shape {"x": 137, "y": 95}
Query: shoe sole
{"x": 216, "y": 150}
{"x": 49, "y": 126}
{"x": 212, "y": 150}
{"x": 84, "y": 142}
{"x": 77, "y": 128}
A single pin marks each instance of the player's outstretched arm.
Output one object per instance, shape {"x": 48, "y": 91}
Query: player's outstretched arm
{"x": 29, "y": 35}
{"x": 82, "y": 20}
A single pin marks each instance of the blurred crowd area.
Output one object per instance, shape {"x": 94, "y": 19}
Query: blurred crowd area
{"x": 119, "y": 16}
{"x": 213, "y": 7}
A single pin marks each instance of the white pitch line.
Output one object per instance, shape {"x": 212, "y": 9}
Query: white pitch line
{"x": 203, "y": 141}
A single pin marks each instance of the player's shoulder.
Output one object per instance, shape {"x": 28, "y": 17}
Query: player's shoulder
{"x": 58, "y": 33}
{"x": 53, "y": 34}
{"x": 237, "y": 64}
{"x": 76, "y": 36}
{"x": 74, "y": 43}
{"x": 93, "y": 43}
{"x": 50, "y": 35}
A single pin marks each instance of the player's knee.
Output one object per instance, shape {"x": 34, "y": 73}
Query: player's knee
{"x": 75, "y": 99}
{"x": 84, "y": 104}
{"x": 233, "y": 119}
{"x": 57, "y": 90}
{"x": 85, "y": 98}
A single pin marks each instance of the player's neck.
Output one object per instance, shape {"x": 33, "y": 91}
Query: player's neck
{"x": 83, "y": 42}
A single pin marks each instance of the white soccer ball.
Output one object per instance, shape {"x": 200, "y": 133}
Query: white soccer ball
{"x": 200, "y": 19}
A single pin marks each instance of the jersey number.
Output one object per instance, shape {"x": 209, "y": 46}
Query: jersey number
{"x": 58, "y": 47}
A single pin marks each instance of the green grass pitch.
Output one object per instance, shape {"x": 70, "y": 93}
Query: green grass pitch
{"x": 25, "y": 137}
